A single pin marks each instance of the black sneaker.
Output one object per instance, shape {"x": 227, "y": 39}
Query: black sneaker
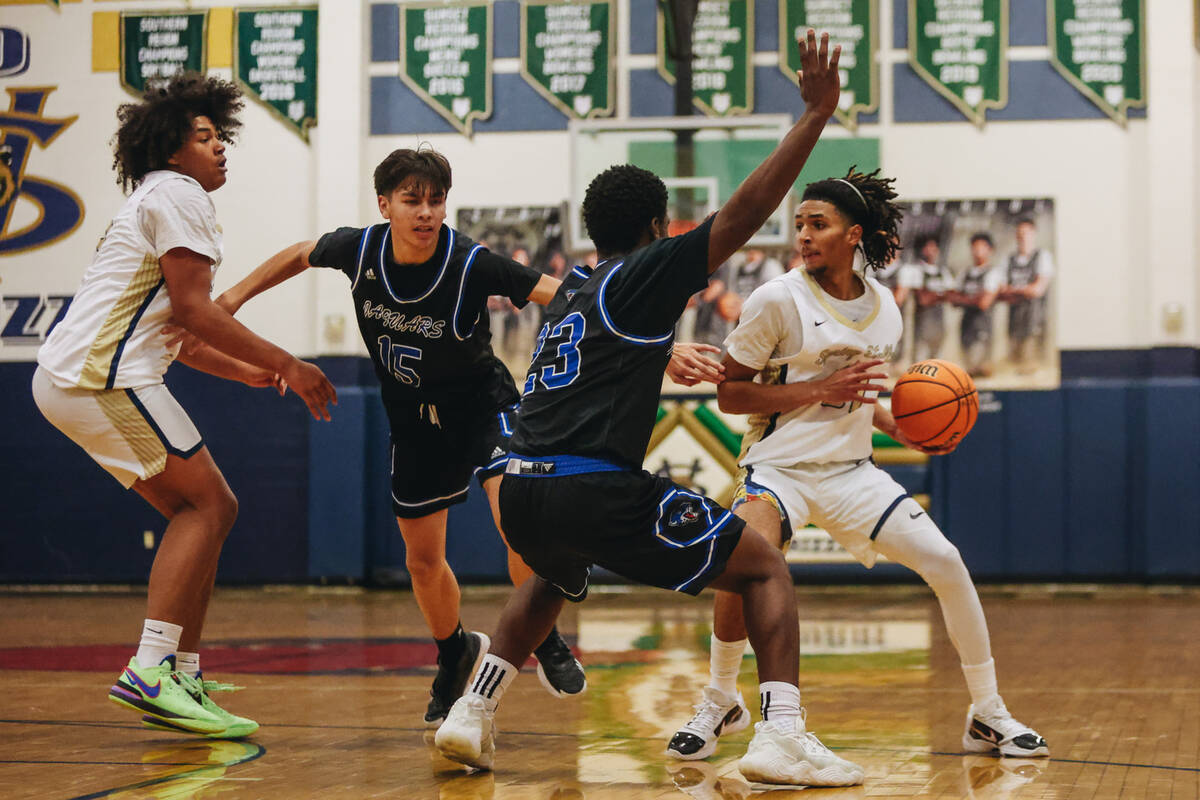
{"x": 449, "y": 683}
{"x": 558, "y": 669}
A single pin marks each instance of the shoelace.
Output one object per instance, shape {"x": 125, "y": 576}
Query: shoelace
{"x": 217, "y": 686}
{"x": 708, "y": 714}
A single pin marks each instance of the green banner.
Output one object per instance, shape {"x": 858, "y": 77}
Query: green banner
{"x": 1100, "y": 47}
{"x": 156, "y": 46}
{"x": 568, "y": 54}
{"x": 854, "y": 24}
{"x": 446, "y": 58}
{"x": 722, "y": 56}
{"x": 960, "y": 49}
{"x": 275, "y": 60}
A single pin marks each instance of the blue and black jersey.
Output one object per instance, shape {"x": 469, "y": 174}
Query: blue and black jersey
{"x": 593, "y": 385}
{"x": 426, "y": 325}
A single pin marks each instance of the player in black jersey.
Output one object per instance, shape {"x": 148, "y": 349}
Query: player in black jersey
{"x": 420, "y": 290}
{"x": 574, "y": 493}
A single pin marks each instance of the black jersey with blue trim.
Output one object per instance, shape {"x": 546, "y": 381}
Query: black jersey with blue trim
{"x": 426, "y": 325}
{"x": 593, "y": 384}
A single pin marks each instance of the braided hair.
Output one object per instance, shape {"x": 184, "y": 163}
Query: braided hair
{"x": 151, "y": 131}
{"x": 866, "y": 200}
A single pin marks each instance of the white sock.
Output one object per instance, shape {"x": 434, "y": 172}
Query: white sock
{"x": 724, "y": 662}
{"x": 779, "y": 703}
{"x": 159, "y": 640}
{"x": 492, "y": 679}
{"x": 981, "y": 682}
{"x": 188, "y": 663}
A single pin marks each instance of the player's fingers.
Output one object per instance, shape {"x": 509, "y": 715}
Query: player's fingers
{"x": 707, "y": 348}
{"x": 837, "y": 56}
{"x": 823, "y": 50}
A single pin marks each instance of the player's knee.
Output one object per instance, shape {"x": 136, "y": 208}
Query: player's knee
{"x": 424, "y": 564}
{"x": 943, "y": 567}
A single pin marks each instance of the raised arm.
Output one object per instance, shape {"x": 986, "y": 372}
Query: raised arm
{"x": 189, "y": 281}
{"x": 764, "y": 189}
{"x": 740, "y": 394}
{"x": 287, "y": 263}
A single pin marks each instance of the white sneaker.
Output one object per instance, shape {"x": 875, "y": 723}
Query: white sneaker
{"x": 796, "y": 758}
{"x": 716, "y": 713}
{"x": 991, "y": 727}
{"x": 468, "y": 734}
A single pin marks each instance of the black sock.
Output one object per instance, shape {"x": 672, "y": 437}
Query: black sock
{"x": 451, "y": 648}
{"x": 549, "y": 643}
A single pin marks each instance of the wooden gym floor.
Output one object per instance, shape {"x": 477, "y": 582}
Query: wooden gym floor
{"x": 339, "y": 679}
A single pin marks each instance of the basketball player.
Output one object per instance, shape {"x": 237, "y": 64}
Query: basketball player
{"x": 976, "y": 295}
{"x": 928, "y": 280}
{"x": 802, "y": 363}
{"x": 1026, "y": 282}
{"x": 420, "y": 292}
{"x": 574, "y": 493}
{"x": 100, "y": 379}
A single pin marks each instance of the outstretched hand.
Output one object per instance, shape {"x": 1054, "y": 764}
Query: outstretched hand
{"x": 854, "y": 384}
{"x": 820, "y": 81}
{"x": 688, "y": 365}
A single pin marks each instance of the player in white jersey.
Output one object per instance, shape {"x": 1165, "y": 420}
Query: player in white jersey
{"x": 801, "y": 364}
{"x": 100, "y": 379}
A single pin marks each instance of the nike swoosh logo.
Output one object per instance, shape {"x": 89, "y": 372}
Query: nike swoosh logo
{"x": 154, "y": 631}
{"x": 146, "y": 689}
{"x": 734, "y": 714}
{"x": 914, "y": 516}
{"x": 819, "y": 324}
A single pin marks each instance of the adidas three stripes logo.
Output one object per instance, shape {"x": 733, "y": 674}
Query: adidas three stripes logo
{"x": 488, "y": 679}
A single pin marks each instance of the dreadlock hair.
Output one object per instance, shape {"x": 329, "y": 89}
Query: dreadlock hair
{"x": 866, "y": 200}
{"x": 620, "y": 204}
{"x": 149, "y": 132}
{"x": 423, "y": 170}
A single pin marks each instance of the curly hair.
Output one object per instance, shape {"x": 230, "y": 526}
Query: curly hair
{"x": 425, "y": 169}
{"x": 619, "y": 205}
{"x": 866, "y": 200}
{"x": 149, "y": 132}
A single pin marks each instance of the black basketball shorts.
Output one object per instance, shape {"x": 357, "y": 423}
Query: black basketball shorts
{"x": 563, "y": 514}
{"x": 435, "y": 451}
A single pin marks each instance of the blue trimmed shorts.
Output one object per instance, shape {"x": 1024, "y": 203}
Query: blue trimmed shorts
{"x": 641, "y": 526}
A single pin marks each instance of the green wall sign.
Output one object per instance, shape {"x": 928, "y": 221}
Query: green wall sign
{"x": 1100, "y": 47}
{"x": 275, "y": 60}
{"x": 446, "y": 58}
{"x": 156, "y": 46}
{"x": 722, "y": 56}
{"x": 568, "y": 55}
{"x": 854, "y": 24}
{"x": 960, "y": 49}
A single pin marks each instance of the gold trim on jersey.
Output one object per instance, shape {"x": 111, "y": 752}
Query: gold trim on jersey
{"x": 134, "y": 429}
{"x": 98, "y": 363}
{"x": 819, "y": 294}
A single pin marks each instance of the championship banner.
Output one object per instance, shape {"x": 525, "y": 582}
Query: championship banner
{"x": 446, "y": 58}
{"x": 960, "y": 49}
{"x": 1099, "y": 46}
{"x": 275, "y": 61}
{"x": 853, "y": 24}
{"x": 156, "y": 46}
{"x": 568, "y": 54}
{"x": 722, "y": 56}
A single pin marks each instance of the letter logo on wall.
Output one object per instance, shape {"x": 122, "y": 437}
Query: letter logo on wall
{"x": 59, "y": 210}
{"x": 14, "y": 52}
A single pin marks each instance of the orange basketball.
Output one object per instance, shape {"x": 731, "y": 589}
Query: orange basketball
{"x": 935, "y": 403}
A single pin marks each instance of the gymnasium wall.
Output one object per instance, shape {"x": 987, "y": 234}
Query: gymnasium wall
{"x": 1093, "y": 480}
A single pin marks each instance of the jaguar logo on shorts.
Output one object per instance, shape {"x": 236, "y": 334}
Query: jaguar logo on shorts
{"x": 684, "y": 515}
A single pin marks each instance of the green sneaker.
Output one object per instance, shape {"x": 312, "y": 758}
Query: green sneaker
{"x": 158, "y": 693}
{"x": 235, "y": 727}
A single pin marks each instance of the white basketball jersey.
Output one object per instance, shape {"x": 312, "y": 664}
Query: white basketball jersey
{"x": 111, "y": 335}
{"x": 822, "y": 433}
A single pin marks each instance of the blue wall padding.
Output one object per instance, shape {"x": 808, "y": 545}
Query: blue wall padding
{"x": 1171, "y": 464}
{"x": 1034, "y": 546}
{"x": 1096, "y": 480}
{"x": 1098, "y": 522}
{"x": 337, "y": 472}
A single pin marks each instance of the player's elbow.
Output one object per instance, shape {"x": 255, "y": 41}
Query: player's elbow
{"x": 730, "y": 400}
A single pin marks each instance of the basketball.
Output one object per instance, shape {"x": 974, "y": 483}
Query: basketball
{"x": 935, "y": 403}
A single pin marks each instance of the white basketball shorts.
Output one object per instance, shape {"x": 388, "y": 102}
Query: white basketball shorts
{"x": 853, "y": 501}
{"x": 129, "y": 432}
